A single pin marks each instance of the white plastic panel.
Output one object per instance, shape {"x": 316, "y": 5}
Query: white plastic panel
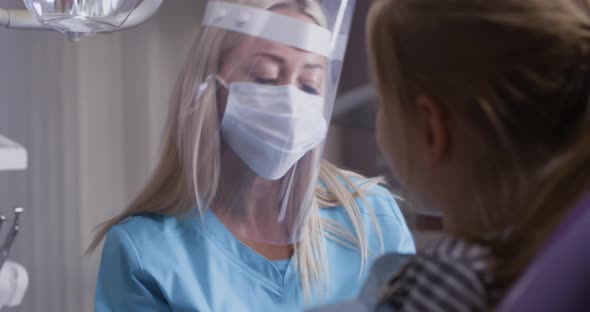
{"x": 14, "y": 281}
{"x": 12, "y": 155}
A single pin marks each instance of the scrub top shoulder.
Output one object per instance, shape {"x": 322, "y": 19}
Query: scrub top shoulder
{"x": 159, "y": 263}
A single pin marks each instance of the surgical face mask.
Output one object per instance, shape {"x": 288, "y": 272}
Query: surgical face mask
{"x": 271, "y": 127}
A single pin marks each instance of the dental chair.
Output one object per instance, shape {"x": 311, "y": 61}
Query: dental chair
{"x": 559, "y": 278}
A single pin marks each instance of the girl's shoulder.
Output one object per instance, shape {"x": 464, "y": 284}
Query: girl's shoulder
{"x": 454, "y": 276}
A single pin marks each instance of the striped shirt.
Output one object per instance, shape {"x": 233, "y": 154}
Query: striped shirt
{"x": 454, "y": 276}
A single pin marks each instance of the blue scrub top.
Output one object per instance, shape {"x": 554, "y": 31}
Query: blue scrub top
{"x": 159, "y": 263}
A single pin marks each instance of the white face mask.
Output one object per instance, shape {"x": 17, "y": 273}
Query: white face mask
{"x": 271, "y": 127}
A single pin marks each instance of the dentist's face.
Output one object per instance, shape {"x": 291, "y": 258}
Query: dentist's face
{"x": 257, "y": 60}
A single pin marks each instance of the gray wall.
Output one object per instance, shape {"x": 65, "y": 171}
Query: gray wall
{"x": 90, "y": 115}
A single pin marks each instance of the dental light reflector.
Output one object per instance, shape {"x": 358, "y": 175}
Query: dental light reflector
{"x": 81, "y": 18}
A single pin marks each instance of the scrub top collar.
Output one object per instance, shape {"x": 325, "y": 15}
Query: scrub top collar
{"x": 243, "y": 256}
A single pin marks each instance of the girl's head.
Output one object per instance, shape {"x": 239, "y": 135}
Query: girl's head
{"x": 484, "y": 109}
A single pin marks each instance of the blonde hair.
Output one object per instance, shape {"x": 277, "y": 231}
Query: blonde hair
{"x": 513, "y": 77}
{"x": 188, "y": 173}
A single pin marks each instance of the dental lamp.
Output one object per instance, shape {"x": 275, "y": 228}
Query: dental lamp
{"x": 79, "y": 18}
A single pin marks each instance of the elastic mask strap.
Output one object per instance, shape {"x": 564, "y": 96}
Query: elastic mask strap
{"x": 205, "y": 84}
{"x": 222, "y": 81}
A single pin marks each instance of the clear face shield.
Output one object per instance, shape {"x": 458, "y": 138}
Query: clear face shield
{"x": 271, "y": 72}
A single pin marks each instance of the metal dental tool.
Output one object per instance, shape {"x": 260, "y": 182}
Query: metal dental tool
{"x": 5, "y": 250}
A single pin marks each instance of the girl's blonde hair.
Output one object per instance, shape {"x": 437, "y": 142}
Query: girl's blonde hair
{"x": 188, "y": 173}
{"x": 513, "y": 76}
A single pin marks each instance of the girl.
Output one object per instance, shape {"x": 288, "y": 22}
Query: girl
{"x": 484, "y": 116}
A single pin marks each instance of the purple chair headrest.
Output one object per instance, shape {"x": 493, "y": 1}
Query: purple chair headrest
{"x": 559, "y": 278}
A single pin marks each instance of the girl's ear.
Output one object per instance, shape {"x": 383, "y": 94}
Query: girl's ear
{"x": 435, "y": 134}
